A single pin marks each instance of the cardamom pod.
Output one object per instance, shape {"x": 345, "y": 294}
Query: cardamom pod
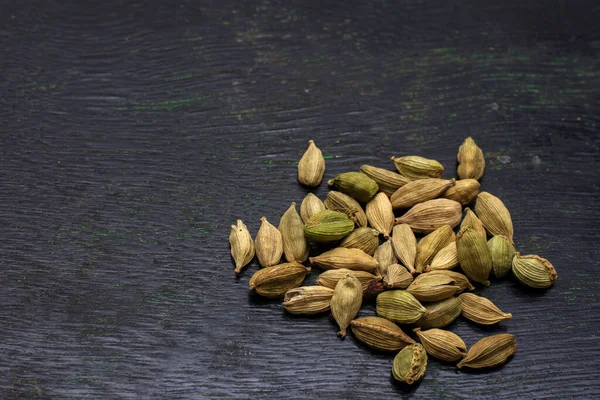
{"x": 494, "y": 215}
{"x": 474, "y": 255}
{"x": 502, "y": 253}
{"x": 380, "y": 214}
{"x": 471, "y": 221}
{"x": 274, "y": 281}
{"x": 470, "y": 160}
{"x": 490, "y": 351}
{"x": 533, "y": 271}
{"x": 441, "y": 344}
{"x": 295, "y": 244}
{"x": 410, "y": 364}
{"x": 341, "y": 257}
{"x": 331, "y": 277}
{"x": 338, "y": 201}
{"x": 311, "y": 166}
{"x": 384, "y": 255}
{"x": 464, "y": 191}
{"x": 404, "y": 244}
{"x": 446, "y": 258}
{"x": 366, "y": 239}
{"x": 428, "y": 287}
{"x": 428, "y": 216}
{"x": 328, "y": 226}
{"x": 268, "y": 244}
{"x": 388, "y": 181}
{"x": 481, "y": 310}
{"x": 346, "y": 301}
{"x": 242, "y": 245}
{"x": 310, "y": 206}
{"x": 397, "y": 277}
{"x": 460, "y": 280}
{"x": 356, "y": 185}
{"x": 419, "y": 191}
{"x": 431, "y": 244}
{"x": 307, "y": 300}
{"x": 373, "y": 290}
{"x": 399, "y": 306}
{"x": 440, "y": 314}
{"x": 415, "y": 167}
{"x": 380, "y": 334}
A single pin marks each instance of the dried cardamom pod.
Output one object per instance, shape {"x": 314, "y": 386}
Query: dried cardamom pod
{"x": 274, "y": 281}
{"x": 440, "y": 313}
{"x": 373, "y": 290}
{"x": 502, "y": 253}
{"x": 331, "y": 277}
{"x": 380, "y": 334}
{"x": 428, "y": 287}
{"x": 428, "y": 216}
{"x": 460, "y": 280}
{"x": 295, "y": 244}
{"x": 356, "y": 185}
{"x": 380, "y": 214}
{"x": 385, "y": 255}
{"x": 338, "y": 201}
{"x": 346, "y": 301}
{"x": 410, "y": 364}
{"x": 471, "y": 221}
{"x": 490, "y": 351}
{"x": 404, "y": 244}
{"x": 310, "y": 206}
{"x": 366, "y": 239}
{"x": 431, "y": 244}
{"x": 533, "y": 271}
{"x": 242, "y": 245}
{"x": 415, "y": 167}
{"x": 494, "y": 215}
{"x": 328, "y": 226}
{"x": 307, "y": 300}
{"x": 474, "y": 255}
{"x": 397, "y": 277}
{"x": 481, "y": 310}
{"x": 441, "y": 344}
{"x": 464, "y": 191}
{"x": 399, "y": 306}
{"x": 268, "y": 244}
{"x": 341, "y": 257}
{"x": 470, "y": 160}
{"x": 419, "y": 191}
{"x": 446, "y": 258}
{"x": 388, "y": 181}
{"x": 311, "y": 166}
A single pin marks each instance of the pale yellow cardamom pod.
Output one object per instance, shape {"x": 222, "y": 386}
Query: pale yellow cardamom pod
{"x": 356, "y": 185}
{"x": 328, "y": 226}
{"x": 397, "y": 277}
{"x": 274, "y": 281}
{"x": 269, "y": 244}
{"x": 471, "y": 221}
{"x": 415, "y": 167}
{"x": 410, "y": 364}
{"x": 340, "y": 202}
{"x": 331, "y": 277}
{"x": 440, "y": 313}
{"x": 533, "y": 271}
{"x": 310, "y": 206}
{"x": 502, "y": 253}
{"x": 399, "y": 306}
{"x": 388, "y": 181}
{"x": 428, "y": 216}
{"x": 384, "y": 255}
{"x": 242, "y": 245}
{"x": 340, "y": 257}
{"x": 311, "y": 166}
{"x": 494, "y": 215}
{"x": 460, "y": 280}
{"x": 346, "y": 302}
{"x": 365, "y": 239}
{"x": 431, "y": 244}
{"x": 295, "y": 244}
{"x": 481, "y": 310}
{"x": 471, "y": 163}
{"x": 490, "y": 351}
{"x": 380, "y": 214}
{"x": 307, "y": 300}
{"x": 427, "y": 287}
{"x": 446, "y": 258}
{"x": 464, "y": 191}
{"x": 380, "y": 334}
{"x": 419, "y": 191}
{"x": 474, "y": 255}
{"x": 404, "y": 244}
{"x": 441, "y": 344}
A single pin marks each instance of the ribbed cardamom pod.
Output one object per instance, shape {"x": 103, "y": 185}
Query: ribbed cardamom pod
{"x": 431, "y": 244}
{"x": 311, "y": 166}
{"x": 356, "y": 185}
{"x": 428, "y": 216}
{"x": 341, "y": 257}
{"x": 460, "y": 280}
{"x": 464, "y": 191}
{"x": 470, "y": 160}
{"x": 328, "y": 226}
{"x": 366, "y": 239}
{"x": 295, "y": 244}
{"x": 242, "y": 245}
{"x": 388, "y": 181}
{"x": 338, "y": 201}
{"x": 410, "y": 364}
{"x": 380, "y": 214}
{"x": 384, "y": 255}
{"x": 346, "y": 301}
{"x": 268, "y": 244}
{"x": 481, "y": 310}
{"x": 533, "y": 271}
{"x": 310, "y": 206}
{"x": 441, "y": 344}
{"x": 471, "y": 221}
{"x": 397, "y": 277}
{"x": 428, "y": 287}
{"x": 331, "y": 277}
{"x": 307, "y": 300}
{"x": 440, "y": 313}
{"x": 380, "y": 334}
{"x": 490, "y": 351}
{"x": 446, "y": 258}
{"x": 494, "y": 215}
{"x": 415, "y": 167}
{"x": 404, "y": 244}
{"x": 400, "y": 306}
{"x": 419, "y": 191}
{"x": 474, "y": 255}
{"x": 502, "y": 253}
{"x": 274, "y": 281}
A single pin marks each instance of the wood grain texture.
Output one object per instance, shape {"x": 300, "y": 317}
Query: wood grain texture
{"x": 132, "y": 134}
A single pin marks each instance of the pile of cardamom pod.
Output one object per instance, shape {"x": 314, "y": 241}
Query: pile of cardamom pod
{"x": 415, "y": 282}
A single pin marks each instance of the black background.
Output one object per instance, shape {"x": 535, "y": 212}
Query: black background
{"x": 133, "y": 134}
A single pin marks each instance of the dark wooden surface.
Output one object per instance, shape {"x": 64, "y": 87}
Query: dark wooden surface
{"x": 133, "y": 133}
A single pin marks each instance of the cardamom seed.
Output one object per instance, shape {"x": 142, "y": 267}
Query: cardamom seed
{"x": 310, "y": 206}
{"x": 533, "y": 271}
{"x": 404, "y": 244}
{"x": 463, "y": 191}
{"x": 428, "y": 287}
{"x": 346, "y": 301}
{"x": 428, "y": 216}
{"x": 388, "y": 181}
{"x": 384, "y": 255}
{"x": 372, "y": 291}
{"x": 274, "y": 281}
{"x": 431, "y": 244}
{"x": 399, "y": 306}
{"x": 365, "y": 239}
{"x": 440, "y": 314}
{"x": 460, "y": 280}
{"x": 470, "y": 160}
{"x": 397, "y": 277}
{"x": 446, "y": 258}
{"x": 419, "y": 191}
{"x": 307, "y": 300}
{"x": 490, "y": 351}
{"x": 481, "y": 310}
{"x": 380, "y": 214}
{"x": 311, "y": 166}
{"x": 356, "y": 185}
{"x": 295, "y": 244}
{"x": 331, "y": 277}
{"x": 494, "y": 215}
{"x": 242, "y": 245}
{"x": 380, "y": 334}
{"x": 444, "y": 345}
{"x": 340, "y": 257}
{"x": 410, "y": 364}
{"x": 328, "y": 226}
{"x": 415, "y": 167}
{"x": 268, "y": 244}
{"x": 471, "y": 221}
{"x": 474, "y": 256}
{"x": 502, "y": 253}
{"x": 338, "y": 201}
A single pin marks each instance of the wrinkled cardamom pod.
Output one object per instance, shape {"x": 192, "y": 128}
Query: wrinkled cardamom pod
{"x": 311, "y": 166}
{"x": 471, "y": 221}
{"x": 356, "y": 185}
{"x": 494, "y": 215}
{"x": 474, "y": 255}
{"x": 307, "y": 300}
{"x": 274, "y": 281}
{"x": 441, "y": 344}
{"x": 481, "y": 310}
{"x": 397, "y": 277}
{"x": 440, "y": 313}
{"x": 419, "y": 191}
{"x": 428, "y": 216}
{"x": 310, "y": 206}
{"x": 295, "y": 244}
{"x": 428, "y": 287}
{"x": 388, "y": 181}
{"x": 341, "y": 257}
{"x": 385, "y": 255}
{"x": 464, "y": 191}
{"x": 460, "y": 280}
{"x": 404, "y": 244}
{"x": 331, "y": 277}
{"x": 431, "y": 244}
{"x": 399, "y": 306}
{"x": 380, "y": 214}
{"x": 446, "y": 258}
{"x": 346, "y": 301}
{"x": 338, "y": 201}
{"x": 415, "y": 167}
{"x": 268, "y": 244}
{"x": 328, "y": 226}
{"x": 470, "y": 160}
{"x": 380, "y": 334}
{"x": 502, "y": 253}
{"x": 366, "y": 239}
{"x": 242, "y": 245}
{"x": 410, "y": 364}
{"x": 533, "y": 271}
{"x": 490, "y": 351}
